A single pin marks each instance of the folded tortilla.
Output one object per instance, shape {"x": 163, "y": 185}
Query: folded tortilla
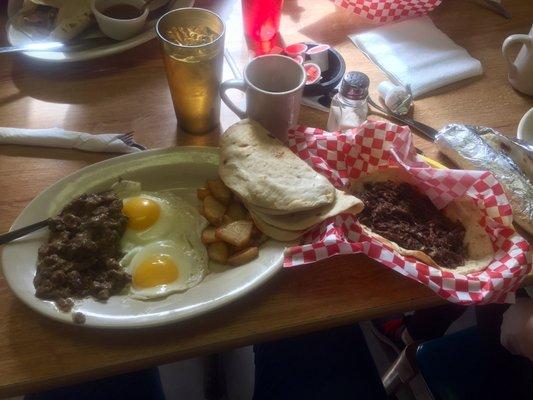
{"x": 344, "y": 203}
{"x": 282, "y": 235}
{"x": 73, "y": 18}
{"x": 463, "y": 210}
{"x": 263, "y": 172}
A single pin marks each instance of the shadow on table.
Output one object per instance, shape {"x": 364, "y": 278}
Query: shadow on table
{"x": 293, "y": 10}
{"x": 65, "y": 82}
{"x": 333, "y": 28}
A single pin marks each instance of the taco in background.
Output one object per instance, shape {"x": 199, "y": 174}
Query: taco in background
{"x": 73, "y": 18}
{"x": 58, "y": 20}
{"x": 397, "y": 214}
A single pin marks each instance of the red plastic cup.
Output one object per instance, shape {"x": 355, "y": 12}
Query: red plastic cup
{"x": 261, "y": 18}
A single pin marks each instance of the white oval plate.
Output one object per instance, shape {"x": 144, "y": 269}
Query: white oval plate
{"x": 184, "y": 168}
{"x": 16, "y": 37}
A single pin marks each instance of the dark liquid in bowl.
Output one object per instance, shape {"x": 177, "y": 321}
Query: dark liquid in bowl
{"x": 122, "y": 11}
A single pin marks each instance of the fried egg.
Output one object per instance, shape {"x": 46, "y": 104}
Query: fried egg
{"x": 164, "y": 267}
{"x": 154, "y": 216}
{"x": 151, "y": 216}
{"x": 164, "y": 253}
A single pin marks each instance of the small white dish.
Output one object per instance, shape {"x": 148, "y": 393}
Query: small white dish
{"x": 525, "y": 127}
{"x": 119, "y": 29}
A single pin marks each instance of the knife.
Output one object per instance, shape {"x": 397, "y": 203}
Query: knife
{"x": 87, "y": 41}
{"x": 48, "y": 47}
{"x": 38, "y": 46}
{"x": 426, "y": 130}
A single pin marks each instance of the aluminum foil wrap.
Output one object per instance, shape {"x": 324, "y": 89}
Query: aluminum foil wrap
{"x": 466, "y": 146}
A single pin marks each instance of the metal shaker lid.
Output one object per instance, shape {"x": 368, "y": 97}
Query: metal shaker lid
{"x": 354, "y": 85}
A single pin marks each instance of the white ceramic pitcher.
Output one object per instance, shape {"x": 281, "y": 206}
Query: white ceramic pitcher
{"x": 521, "y": 69}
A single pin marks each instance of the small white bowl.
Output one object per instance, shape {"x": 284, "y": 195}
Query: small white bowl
{"x": 525, "y": 127}
{"x": 118, "y": 29}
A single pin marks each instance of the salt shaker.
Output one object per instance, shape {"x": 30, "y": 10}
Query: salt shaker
{"x": 349, "y": 107}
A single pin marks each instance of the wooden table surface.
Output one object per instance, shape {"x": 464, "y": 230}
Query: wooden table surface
{"x": 129, "y": 92}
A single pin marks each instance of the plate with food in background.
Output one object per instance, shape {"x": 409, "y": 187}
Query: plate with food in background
{"x": 73, "y": 24}
{"x": 128, "y": 247}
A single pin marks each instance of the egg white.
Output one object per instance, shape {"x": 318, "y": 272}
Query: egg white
{"x": 190, "y": 259}
{"x": 176, "y": 217}
{"x": 176, "y": 233}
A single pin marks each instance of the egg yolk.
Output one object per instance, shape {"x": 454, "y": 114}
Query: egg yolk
{"x": 142, "y": 213}
{"x": 154, "y": 271}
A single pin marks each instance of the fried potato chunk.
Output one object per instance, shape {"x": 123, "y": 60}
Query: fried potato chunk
{"x": 237, "y": 233}
{"x": 236, "y": 211}
{"x": 220, "y": 191}
{"x": 208, "y": 235}
{"x": 218, "y": 252}
{"x": 243, "y": 256}
{"x": 202, "y": 193}
{"x": 213, "y": 210}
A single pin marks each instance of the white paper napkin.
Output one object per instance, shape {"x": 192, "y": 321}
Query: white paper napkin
{"x": 57, "y": 137}
{"x": 415, "y": 52}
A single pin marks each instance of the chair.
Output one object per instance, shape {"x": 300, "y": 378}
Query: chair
{"x": 452, "y": 367}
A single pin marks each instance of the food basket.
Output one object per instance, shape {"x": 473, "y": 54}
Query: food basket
{"x": 344, "y": 157}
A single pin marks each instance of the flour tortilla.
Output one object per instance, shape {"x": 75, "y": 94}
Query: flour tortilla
{"x": 463, "y": 210}
{"x": 73, "y": 18}
{"x": 265, "y": 173}
{"x": 344, "y": 203}
{"x": 276, "y": 233}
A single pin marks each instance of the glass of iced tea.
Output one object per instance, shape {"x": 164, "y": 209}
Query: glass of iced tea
{"x": 193, "y": 50}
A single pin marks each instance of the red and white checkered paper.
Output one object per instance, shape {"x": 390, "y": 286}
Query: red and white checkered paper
{"x": 388, "y": 10}
{"x": 343, "y": 157}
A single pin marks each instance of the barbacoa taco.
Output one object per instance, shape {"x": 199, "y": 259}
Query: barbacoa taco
{"x": 397, "y": 214}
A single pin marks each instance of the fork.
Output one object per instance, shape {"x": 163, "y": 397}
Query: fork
{"x": 18, "y": 233}
{"x": 127, "y": 138}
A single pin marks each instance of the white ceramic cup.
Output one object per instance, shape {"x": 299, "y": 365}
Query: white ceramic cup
{"x": 119, "y": 29}
{"x": 525, "y": 127}
{"x": 521, "y": 69}
{"x": 273, "y": 85}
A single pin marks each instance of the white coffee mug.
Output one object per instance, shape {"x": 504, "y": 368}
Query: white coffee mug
{"x": 521, "y": 69}
{"x": 273, "y": 85}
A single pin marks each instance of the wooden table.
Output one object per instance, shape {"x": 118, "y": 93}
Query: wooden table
{"x": 129, "y": 93}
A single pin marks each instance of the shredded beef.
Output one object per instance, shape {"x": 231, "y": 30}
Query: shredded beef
{"x": 81, "y": 257}
{"x": 403, "y": 215}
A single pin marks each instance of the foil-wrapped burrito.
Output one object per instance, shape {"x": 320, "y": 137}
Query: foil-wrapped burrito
{"x": 473, "y": 147}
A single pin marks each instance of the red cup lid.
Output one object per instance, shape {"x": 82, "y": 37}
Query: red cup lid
{"x": 318, "y": 49}
{"x": 313, "y": 73}
{"x": 296, "y": 49}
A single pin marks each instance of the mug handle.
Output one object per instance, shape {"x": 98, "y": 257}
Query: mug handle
{"x": 506, "y": 47}
{"x": 238, "y": 84}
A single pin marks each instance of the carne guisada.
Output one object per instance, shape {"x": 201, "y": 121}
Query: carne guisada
{"x": 81, "y": 257}
{"x": 400, "y": 213}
